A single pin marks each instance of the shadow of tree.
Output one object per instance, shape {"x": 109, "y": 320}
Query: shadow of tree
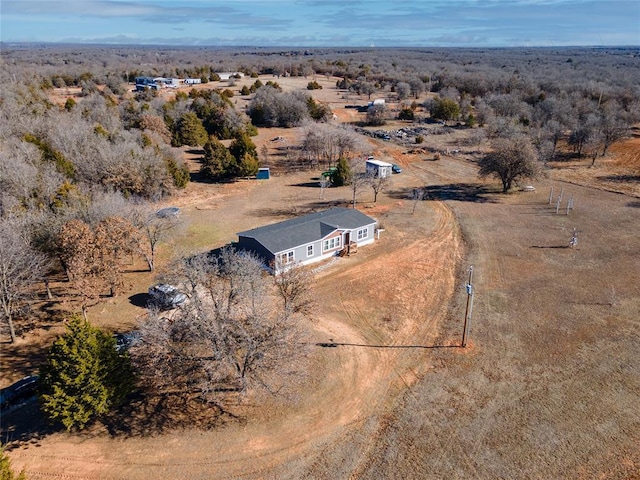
{"x": 139, "y": 300}
{"x": 465, "y": 192}
{"x": 621, "y": 178}
{"x": 145, "y": 416}
{"x": 298, "y": 210}
{"x": 634, "y": 204}
{"x": 312, "y": 184}
{"x": 195, "y": 151}
{"x": 141, "y": 416}
{"x": 24, "y": 425}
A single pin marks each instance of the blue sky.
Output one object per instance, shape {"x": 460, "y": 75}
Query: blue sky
{"x": 428, "y": 23}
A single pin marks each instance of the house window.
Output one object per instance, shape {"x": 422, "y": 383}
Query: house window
{"x": 331, "y": 243}
{"x": 363, "y": 233}
{"x": 286, "y": 258}
{"x": 309, "y": 250}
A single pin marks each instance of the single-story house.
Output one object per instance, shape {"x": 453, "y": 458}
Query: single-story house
{"x": 309, "y": 238}
{"x": 143, "y": 83}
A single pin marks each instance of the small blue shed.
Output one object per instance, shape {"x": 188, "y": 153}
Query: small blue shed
{"x": 263, "y": 174}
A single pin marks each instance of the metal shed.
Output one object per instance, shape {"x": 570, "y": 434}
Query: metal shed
{"x": 263, "y": 174}
{"x": 379, "y": 169}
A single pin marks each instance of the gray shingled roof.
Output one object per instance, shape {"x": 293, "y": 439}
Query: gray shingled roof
{"x": 309, "y": 228}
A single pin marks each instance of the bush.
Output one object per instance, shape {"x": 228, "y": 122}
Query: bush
{"x": 179, "y": 173}
{"x": 471, "y": 120}
{"x": 6, "y": 472}
{"x": 406, "y": 114}
{"x": 69, "y": 104}
{"x": 314, "y": 86}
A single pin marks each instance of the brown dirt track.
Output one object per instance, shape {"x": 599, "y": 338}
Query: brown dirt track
{"x": 548, "y": 387}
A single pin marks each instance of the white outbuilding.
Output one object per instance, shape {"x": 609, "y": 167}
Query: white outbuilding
{"x": 378, "y": 168}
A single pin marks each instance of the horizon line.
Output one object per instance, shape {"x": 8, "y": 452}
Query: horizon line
{"x": 367, "y": 47}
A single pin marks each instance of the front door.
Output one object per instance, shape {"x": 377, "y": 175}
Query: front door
{"x": 347, "y": 241}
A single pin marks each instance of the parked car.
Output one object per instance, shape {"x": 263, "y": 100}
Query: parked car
{"x": 165, "y": 296}
{"x": 168, "y": 212}
{"x": 125, "y": 340}
{"x": 21, "y": 390}
{"x": 396, "y": 168}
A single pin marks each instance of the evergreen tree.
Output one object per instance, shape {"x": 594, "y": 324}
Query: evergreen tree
{"x": 445, "y": 109}
{"x": 318, "y": 111}
{"x": 218, "y": 163}
{"x": 248, "y": 166}
{"x": 243, "y": 145}
{"x": 190, "y": 131}
{"x": 342, "y": 174}
{"x": 84, "y": 376}
{"x": 6, "y": 472}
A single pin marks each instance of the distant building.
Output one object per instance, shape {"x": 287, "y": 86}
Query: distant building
{"x": 376, "y": 102}
{"x": 228, "y": 75}
{"x": 172, "y": 82}
{"x": 144, "y": 83}
{"x": 192, "y": 81}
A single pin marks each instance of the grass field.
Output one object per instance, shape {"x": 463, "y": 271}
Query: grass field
{"x": 547, "y": 388}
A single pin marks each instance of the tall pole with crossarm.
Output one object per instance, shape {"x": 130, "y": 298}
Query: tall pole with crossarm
{"x": 469, "y": 309}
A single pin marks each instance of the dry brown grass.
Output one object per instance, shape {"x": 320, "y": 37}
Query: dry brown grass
{"x": 548, "y": 387}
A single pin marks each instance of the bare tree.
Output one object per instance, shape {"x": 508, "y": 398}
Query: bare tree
{"x": 403, "y": 90}
{"x": 613, "y": 125}
{"x": 378, "y": 185}
{"x": 264, "y": 152}
{"x": 155, "y": 124}
{"x": 87, "y": 272}
{"x": 115, "y": 238}
{"x": 154, "y": 229}
{"x": 20, "y": 267}
{"x": 358, "y": 182}
{"x": 376, "y": 115}
{"x": 229, "y": 338}
{"x": 511, "y": 159}
{"x": 417, "y": 87}
{"x": 293, "y": 285}
{"x": 327, "y": 143}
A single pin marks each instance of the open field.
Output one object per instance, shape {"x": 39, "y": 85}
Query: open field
{"x": 547, "y": 388}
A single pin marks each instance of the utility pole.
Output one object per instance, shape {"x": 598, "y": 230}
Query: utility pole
{"x": 469, "y": 309}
